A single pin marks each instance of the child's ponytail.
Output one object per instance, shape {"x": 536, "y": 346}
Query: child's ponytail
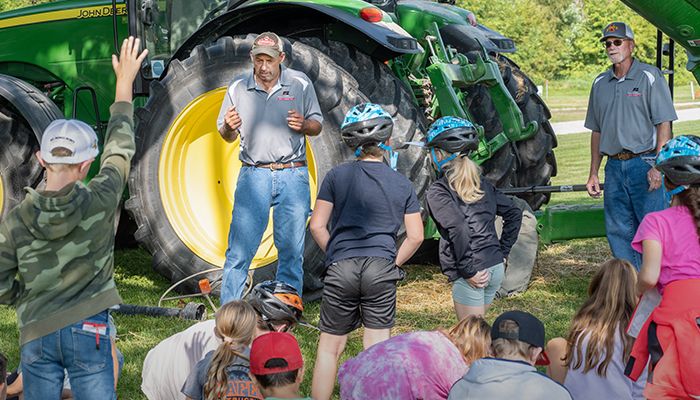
{"x": 235, "y": 325}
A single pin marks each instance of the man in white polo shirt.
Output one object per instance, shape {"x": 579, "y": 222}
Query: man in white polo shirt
{"x": 629, "y": 114}
{"x": 272, "y": 109}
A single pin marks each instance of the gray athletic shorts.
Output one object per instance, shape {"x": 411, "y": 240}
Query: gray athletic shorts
{"x": 465, "y": 294}
{"x": 359, "y": 291}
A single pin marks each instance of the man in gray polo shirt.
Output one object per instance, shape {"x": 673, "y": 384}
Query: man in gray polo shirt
{"x": 629, "y": 112}
{"x": 271, "y": 108}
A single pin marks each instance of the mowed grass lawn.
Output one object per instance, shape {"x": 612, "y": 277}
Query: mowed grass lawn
{"x": 568, "y": 100}
{"x": 557, "y": 288}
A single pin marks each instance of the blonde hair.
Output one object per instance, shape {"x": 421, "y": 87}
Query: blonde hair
{"x": 472, "y": 337}
{"x": 235, "y": 325}
{"x": 464, "y": 177}
{"x": 508, "y": 348}
{"x": 608, "y": 310}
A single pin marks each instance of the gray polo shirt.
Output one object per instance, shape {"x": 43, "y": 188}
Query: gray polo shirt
{"x": 265, "y": 136}
{"x": 626, "y": 111}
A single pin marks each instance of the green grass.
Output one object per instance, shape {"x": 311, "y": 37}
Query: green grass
{"x": 557, "y": 289}
{"x": 424, "y": 302}
{"x": 568, "y": 101}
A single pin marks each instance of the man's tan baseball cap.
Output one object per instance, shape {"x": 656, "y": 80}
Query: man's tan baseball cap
{"x": 267, "y": 43}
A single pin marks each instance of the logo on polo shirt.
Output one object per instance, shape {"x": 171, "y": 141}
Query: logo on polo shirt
{"x": 634, "y": 93}
{"x": 286, "y": 96}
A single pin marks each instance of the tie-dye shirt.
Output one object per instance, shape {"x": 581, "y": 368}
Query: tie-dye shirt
{"x": 417, "y": 365}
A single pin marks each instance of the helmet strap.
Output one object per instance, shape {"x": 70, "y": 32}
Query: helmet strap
{"x": 444, "y": 161}
{"x": 393, "y": 156}
{"x": 678, "y": 189}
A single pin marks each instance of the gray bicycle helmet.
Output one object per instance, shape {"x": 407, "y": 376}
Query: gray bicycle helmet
{"x": 366, "y": 123}
{"x": 453, "y": 135}
{"x": 276, "y": 301}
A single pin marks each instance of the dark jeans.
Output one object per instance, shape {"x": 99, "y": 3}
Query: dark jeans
{"x": 627, "y": 200}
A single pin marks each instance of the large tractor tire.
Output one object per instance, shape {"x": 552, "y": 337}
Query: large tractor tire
{"x": 184, "y": 178}
{"x": 24, "y": 114}
{"x": 379, "y": 83}
{"x": 528, "y": 162}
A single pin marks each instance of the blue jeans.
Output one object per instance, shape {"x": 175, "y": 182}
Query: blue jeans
{"x": 258, "y": 189}
{"x": 74, "y": 348}
{"x": 626, "y": 201}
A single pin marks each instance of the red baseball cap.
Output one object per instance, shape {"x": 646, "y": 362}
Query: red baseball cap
{"x": 275, "y": 345}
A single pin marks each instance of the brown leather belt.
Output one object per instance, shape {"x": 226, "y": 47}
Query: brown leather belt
{"x": 278, "y": 166}
{"x": 625, "y": 155}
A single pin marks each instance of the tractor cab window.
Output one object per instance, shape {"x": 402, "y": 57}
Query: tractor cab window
{"x": 166, "y": 24}
{"x": 386, "y": 5}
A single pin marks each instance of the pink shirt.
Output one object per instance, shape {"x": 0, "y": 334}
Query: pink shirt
{"x": 676, "y": 230}
{"x": 416, "y": 365}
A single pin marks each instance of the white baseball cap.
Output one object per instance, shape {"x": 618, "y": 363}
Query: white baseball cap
{"x": 74, "y": 135}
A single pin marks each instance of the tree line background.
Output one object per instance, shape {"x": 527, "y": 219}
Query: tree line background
{"x": 559, "y": 39}
{"x": 556, "y": 40}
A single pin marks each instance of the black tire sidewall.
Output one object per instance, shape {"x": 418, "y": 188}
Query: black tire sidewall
{"x": 30, "y": 112}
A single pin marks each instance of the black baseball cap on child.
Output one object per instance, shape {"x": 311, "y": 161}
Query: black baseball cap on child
{"x": 530, "y": 330}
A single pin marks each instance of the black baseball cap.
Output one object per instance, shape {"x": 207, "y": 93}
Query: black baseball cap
{"x": 530, "y": 330}
{"x": 617, "y": 30}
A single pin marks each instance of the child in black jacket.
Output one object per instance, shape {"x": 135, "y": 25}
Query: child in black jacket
{"x": 464, "y": 208}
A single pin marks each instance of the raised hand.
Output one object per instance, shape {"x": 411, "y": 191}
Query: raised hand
{"x": 126, "y": 66}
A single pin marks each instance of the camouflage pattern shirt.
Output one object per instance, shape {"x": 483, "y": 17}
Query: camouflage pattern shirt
{"x": 57, "y": 247}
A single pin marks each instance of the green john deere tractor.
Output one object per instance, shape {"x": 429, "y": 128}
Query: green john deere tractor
{"x": 417, "y": 58}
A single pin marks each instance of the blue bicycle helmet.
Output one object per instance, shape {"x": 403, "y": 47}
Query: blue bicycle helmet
{"x": 366, "y": 123}
{"x": 679, "y": 160}
{"x": 453, "y": 135}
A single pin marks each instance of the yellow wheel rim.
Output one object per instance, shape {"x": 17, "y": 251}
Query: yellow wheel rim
{"x": 197, "y": 176}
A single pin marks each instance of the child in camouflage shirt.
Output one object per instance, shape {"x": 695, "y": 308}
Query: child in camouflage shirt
{"x": 57, "y": 249}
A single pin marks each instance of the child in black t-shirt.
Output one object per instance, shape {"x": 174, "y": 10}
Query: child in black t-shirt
{"x": 365, "y": 202}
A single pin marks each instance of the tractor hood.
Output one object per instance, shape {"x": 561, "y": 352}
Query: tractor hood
{"x": 416, "y": 16}
{"x": 382, "y": 40}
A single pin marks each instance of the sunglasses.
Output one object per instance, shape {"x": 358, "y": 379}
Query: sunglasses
{"x": 616, "y": 42}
